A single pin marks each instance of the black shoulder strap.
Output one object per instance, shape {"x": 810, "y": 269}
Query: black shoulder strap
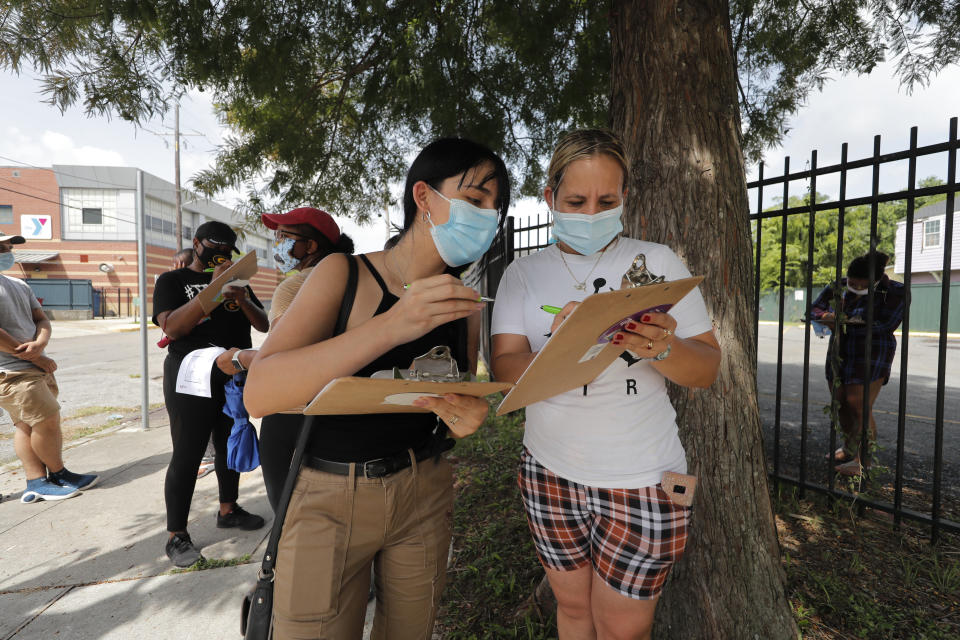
{"x": 375, "y": 274}
{"x": 349, "y": 295}
{"x": 270, "y": 555}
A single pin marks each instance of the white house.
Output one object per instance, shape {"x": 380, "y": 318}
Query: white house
{"x": 929, "y": 242}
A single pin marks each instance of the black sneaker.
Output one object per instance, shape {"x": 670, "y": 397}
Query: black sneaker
{"x": 239, "y": 518}
{"x": 181, "y": 550}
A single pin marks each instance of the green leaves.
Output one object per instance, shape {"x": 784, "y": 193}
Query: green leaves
{"x": 856, "y": 239}
{"x": 327, "y": 100}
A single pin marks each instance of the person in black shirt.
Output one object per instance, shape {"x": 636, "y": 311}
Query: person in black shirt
{"x": 374, "y": 488}
{"x": 177, "y": 311}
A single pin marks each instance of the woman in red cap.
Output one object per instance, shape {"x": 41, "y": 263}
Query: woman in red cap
{"x": 304, "y": 237}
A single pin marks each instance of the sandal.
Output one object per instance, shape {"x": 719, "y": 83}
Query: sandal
{"x": 851, "y": 468}
{"x": 840, "y": 456}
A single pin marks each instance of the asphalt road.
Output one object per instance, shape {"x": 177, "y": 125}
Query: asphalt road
{"x": 920, "y": 409}
{"x": 103, "y": 370}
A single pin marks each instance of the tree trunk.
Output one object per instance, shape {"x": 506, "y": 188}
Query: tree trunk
{"x": 674, "y": 102}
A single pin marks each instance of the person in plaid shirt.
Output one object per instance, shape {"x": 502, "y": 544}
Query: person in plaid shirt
{"x": 848, "y": 346}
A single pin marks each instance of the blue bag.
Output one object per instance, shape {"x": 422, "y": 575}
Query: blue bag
{"x": 243, "y": 450}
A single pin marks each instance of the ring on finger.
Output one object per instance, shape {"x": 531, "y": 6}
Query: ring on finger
{"x": 454, "y": 419}
{"x": 666, "y": 333}
{"x": 649, "y": 344}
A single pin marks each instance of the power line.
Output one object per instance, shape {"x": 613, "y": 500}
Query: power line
{"x": 33, "y": 166}
{"x": 63, "y": 204}
{"x": 98, "y": 181}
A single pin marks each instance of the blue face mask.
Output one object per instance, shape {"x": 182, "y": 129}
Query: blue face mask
{"x": 6, "y": 261}
{"x": 282, "y": 255}
{"x": 586, "y": 234}
{"x": 466, "y": 235}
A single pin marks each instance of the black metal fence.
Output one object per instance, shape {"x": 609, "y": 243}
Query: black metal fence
{"x": 919, "y": 495}
{"x": 913, "y": 477}
{"x": 116, "y": 302}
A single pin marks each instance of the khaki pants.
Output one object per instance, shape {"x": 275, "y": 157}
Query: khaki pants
{"x": 336, "y": 526}
{"x": 29, "y": 396}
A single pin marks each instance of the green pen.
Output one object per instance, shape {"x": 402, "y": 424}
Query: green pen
{"x": 551, "y": 309}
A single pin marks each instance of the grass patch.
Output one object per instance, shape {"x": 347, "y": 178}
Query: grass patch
{"x": 214, "y": 563}
{"x": 494, "y": 567}
{"x": 85, "y": 412}
{"x": 83, "y": 432}
{"x": 854, "y": 576}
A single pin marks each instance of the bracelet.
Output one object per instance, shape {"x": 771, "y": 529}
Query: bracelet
{"x": 236, "y": 361}
{"x": 663, "y": 354}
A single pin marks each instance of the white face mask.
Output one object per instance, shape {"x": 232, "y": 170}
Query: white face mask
{"x": 7, "y": 261}
{"x": 857, "y": 292}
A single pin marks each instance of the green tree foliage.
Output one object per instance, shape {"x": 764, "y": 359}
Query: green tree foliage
{"x": 327, "y": 99}
{"x": 856, "y": 238}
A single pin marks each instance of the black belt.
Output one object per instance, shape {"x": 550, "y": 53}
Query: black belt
{"x": 379, "y": 467}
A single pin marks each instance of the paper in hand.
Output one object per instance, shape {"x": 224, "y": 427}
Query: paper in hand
{"x": 193, "y": 377}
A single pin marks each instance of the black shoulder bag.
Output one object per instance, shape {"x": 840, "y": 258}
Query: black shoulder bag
{"x": 257, "y": 610}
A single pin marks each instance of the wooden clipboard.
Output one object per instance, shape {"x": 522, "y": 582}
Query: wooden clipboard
{"x": 242, "y": 269}
{"x": 354, "y": 395}
{"x": 576, "y": 354}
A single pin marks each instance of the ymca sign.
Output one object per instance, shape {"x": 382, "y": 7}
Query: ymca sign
{"x": 36, "y": 227}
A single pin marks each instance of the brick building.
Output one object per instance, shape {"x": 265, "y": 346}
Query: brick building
{"x": 80, "y": 226}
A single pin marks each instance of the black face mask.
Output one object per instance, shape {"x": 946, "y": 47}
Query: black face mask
{"x": 210, "y": 258}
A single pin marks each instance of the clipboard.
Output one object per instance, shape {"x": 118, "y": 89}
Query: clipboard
{"x": 353, "y": 395}
{"x": 432, "y": 374}
{"x": 580, "y": 350}
{"x": 242, "y": 269}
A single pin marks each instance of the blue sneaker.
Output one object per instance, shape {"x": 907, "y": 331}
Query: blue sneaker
{"x": 43, "y": 489}
{"x": 68, "y": 478}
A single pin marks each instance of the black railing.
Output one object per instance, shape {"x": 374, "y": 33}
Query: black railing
{"x": 793, "y": 456}
{"x": 875, "y": 492}
{"x": 112, "y": 302}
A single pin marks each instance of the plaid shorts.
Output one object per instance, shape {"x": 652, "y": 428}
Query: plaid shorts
{"x": 632, "y": 537}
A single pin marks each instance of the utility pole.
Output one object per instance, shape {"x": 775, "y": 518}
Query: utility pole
{"x": 176, "y": 167}
{"x": 176, "y": 172}
{"x": 142, "y": 294}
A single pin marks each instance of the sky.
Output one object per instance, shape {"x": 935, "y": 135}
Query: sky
{"x": 850, "y": 109}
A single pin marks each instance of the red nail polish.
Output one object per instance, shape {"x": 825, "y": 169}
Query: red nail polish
{"x": 645, "y": 318}
{"x": 631, "y": 325}
{"x": 616, "y": 342}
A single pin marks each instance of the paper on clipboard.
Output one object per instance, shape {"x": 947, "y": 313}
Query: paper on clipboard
{"x": 232, "y": 283}
{"x": 356, "y": 395}
{"x": 243, "y": 269}
{"x": 580, "y": 350}
{"x": 193, "y": 377}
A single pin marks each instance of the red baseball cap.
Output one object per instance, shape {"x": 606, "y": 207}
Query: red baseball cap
{"x": 316, "y": 218}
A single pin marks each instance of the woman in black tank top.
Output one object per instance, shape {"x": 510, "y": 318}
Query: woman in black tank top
{"x": 374, "y": 488}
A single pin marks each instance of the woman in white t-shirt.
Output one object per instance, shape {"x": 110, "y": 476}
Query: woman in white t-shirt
{"x": 606, "y": 532}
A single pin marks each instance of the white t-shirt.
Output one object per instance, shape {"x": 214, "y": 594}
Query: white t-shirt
{"x": 622, "y": 433}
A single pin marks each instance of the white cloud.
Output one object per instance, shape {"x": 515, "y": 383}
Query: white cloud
{"x": 853, "y": 109}
{"x": 61, "y": 149}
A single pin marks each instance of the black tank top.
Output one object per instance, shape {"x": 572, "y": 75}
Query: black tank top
{"x": 356, "y": 438}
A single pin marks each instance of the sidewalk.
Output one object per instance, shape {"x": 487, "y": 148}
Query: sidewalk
{"x": 93, "y": 567}
{"x": 97, "y": 326}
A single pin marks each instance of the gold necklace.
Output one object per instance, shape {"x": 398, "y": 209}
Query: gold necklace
{"x": 582, "y": 285}
{"x": 396, "y": 272}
